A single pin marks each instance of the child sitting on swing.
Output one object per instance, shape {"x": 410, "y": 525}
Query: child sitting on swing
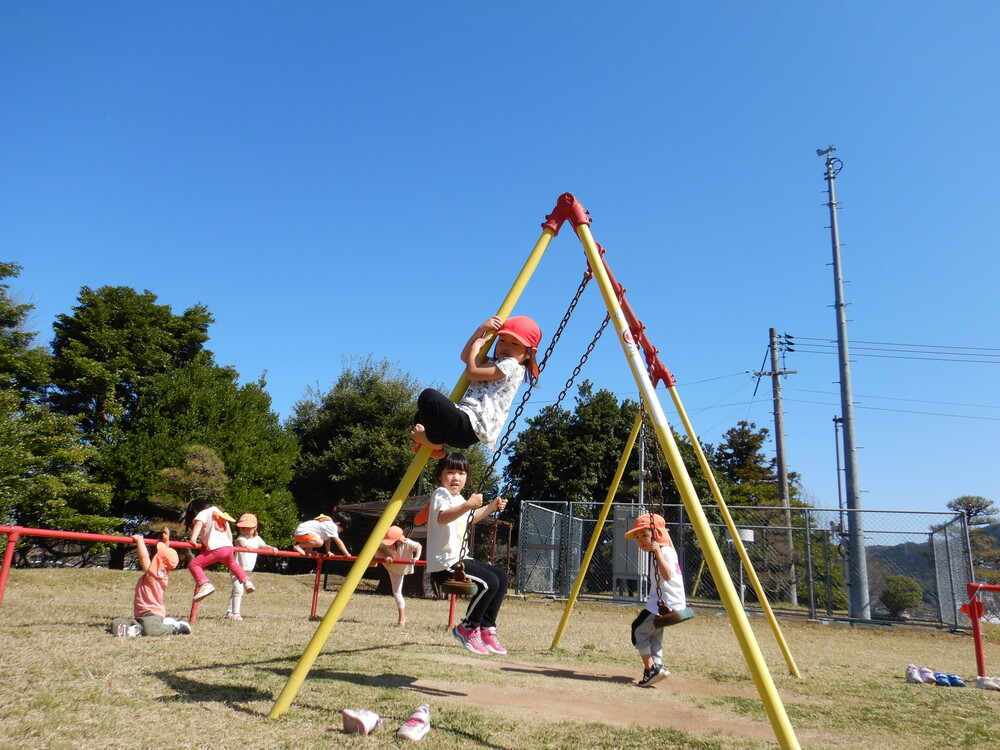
{"x": 483, "y": 410}
{"x": 665, "y": 585}
{"x": 447, "y": 526}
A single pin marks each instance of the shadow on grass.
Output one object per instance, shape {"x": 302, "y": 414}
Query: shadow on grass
{"x": 192, "y": 690}
{"x": 567, "y": 674}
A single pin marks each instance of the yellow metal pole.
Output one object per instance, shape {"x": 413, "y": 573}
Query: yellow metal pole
{"x": 598, "y": 527}
{"x": 734, "y": 534}
{"x": 730, "y": 599}
{"x": 395, "y": 504}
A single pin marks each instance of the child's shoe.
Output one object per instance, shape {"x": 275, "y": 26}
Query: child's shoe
{"x": 417, "y": 726}
{"x": 133, "y": 631}
{"x": 926, "y": 675}
{"x": 360, "y": 721}
{"x": 650, "y": 677}
{"x": 941, "y": 679}
{"x": 913, "y": 674}
{"x": 248, "y": 586}
{"x": 204, "y": 590}
{"x": 471, "y": 639}
{"x": 955, "y": 681}
{"x": 183, "y": 627}
{"x": 234, "y": 616}
{"x": 490, "y": 640}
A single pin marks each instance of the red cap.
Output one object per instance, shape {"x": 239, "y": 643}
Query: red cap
{"x": 522, "y": 328}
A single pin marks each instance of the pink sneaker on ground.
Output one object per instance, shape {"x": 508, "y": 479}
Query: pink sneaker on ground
{"x": 471, "y": 639}
{"x": 360, "y": 721}
{"x": 490, "y": 640}
{"x": 417, "y": 726}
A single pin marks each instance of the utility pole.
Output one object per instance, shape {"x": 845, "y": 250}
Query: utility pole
{"x": 858, "y": 596}
{"x": 779, "y": 445}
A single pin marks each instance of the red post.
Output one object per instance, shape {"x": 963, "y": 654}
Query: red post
{"x": 451, "y": 611}
{"x": 8, "y": 555}
{"x": 319, "y": 574}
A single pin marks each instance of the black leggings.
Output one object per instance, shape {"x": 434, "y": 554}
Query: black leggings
{"x": 444, "y": 422}
{"x": 491, "y": 588}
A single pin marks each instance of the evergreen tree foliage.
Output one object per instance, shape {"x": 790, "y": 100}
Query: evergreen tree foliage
{"x": 981, "y": 515}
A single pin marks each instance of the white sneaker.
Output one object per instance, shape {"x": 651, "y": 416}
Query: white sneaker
{"x": 417, "y": 726}
{"x": 234, "y": 616}
{"x": 360, "y": 721}
{"x": 204, "y": 590}
{"x": 182, "y": 628}
{"x": 248, "y": 586}
{"x": 650, "y": 677}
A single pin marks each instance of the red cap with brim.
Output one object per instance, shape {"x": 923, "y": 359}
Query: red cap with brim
{"x": 393, "y": 535}
{"x": 525, "y": 330}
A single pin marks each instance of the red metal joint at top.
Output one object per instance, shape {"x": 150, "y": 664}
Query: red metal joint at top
{"x": 568, "y": 208}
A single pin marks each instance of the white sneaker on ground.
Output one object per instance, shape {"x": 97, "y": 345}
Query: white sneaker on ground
{"x": 234, "y": 616}
{"x": 417, "y": 726}
{"x": 913, "y": 673}
{"x": 183, "y": 627}
{"x": 204, "y": 590}
{"x": 360, "y": 721}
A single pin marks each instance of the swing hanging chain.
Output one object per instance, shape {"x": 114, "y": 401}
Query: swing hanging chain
{"x": 502, "y": 444}
{"x": 651, "y": 467}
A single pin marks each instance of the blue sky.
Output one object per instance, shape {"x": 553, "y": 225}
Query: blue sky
{"x": 335, "y": 180}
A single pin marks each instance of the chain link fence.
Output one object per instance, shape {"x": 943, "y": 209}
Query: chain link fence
{"x": 798, "y": 554}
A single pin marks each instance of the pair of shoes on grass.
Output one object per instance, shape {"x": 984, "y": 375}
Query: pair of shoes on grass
{"x": 656, "y": 673}
{"x": 920, "y": 675}
{"x": 479, "y": 640}
{"x": 364, "y": 722}
{"x": 948, "y": 680}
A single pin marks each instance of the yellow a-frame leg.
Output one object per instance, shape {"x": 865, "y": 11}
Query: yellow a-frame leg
{"x": 730, "y": 599}
{"x": 409, "y": 479}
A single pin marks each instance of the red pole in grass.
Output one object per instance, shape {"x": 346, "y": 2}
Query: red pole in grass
{"x": 8, "y": 555}
{"x": 451, "y": 611}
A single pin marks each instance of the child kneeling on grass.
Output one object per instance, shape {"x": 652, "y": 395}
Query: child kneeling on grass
{"x": 147, "y": 604}
{"x": 665, "y": 584}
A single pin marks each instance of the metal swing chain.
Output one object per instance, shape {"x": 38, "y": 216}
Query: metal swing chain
{"x": 587, "y": 275}
{"x": 655, "y": 467}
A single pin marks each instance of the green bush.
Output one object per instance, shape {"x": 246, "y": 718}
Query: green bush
{"x": 900, "y": 594}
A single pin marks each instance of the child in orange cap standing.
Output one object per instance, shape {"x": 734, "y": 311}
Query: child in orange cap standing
{"x": 481, "y": 414}
{"x": 396, "y": 546}
{"x": 210, "y": 528}
{"x": 246, "y": 539}
{"x": 650, "y": 534}
{"x": 147, "y": 603}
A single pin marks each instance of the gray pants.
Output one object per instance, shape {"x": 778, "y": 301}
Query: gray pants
{"x": 646, "y": 637}
{"x": 150, "y": 624}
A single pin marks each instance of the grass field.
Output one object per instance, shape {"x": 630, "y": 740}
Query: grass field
{"x": 67, "y": 683}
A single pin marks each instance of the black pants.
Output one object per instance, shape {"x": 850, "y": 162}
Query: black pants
{"x": 444, "y": 422}
{"x": 491, "y": 587}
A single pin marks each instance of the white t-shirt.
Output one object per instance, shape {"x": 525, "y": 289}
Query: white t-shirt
{"x": 323, "y": 529}
{"x": 247, "y": 560}
{"x": 444, "y": 541}
{"x": 216, "y": 532}
{"x": 399, "y": 551}
{"x": 672, "y": 590}
{"x": 487, "y": 402}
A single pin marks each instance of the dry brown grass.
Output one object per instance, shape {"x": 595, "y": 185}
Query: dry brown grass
{"x": 67, "y": 683}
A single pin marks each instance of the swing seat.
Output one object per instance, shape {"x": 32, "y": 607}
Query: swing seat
{"x": 459, "y": 588}
{"x": 672, "y": 617}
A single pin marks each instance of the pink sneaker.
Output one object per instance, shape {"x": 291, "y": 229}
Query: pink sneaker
{"x": 471, "y": 639}
{"x": 417, "y": 726}
{"x": 490, "y": 640}
{"x": 360, "y": 721}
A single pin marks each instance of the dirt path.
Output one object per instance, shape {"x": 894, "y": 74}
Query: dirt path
{"x": 548, "y": 694}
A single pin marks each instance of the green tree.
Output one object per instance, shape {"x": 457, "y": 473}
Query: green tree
{"x": 45, "y": 479}
{"x": 980, "y": 515}
{"x": 203, "y": 404}
{"x": 901, "y": 593}
{"x": 24, "y": 367}
{"x": 354, "y": 439}
{"x": 113, "y": 346}
{"x": 200, "y": 476}
{"x": 571, "y": 456}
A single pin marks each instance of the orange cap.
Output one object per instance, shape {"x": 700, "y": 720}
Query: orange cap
{"x": 247, "y": 520}
{"x": 652, "y": 521}
{"x": 393, "y": 535}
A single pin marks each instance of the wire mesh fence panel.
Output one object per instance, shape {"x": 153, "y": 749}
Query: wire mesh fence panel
{"x": 918, "y": 563}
